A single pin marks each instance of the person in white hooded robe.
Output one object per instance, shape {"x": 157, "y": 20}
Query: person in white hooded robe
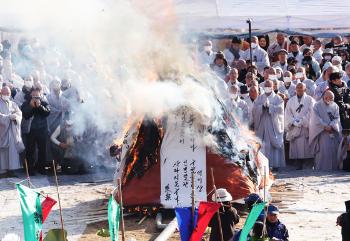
{"x": 325, "y": 133}
{"x": 301, "y": 77}
{"x": 297, "y": 118}
{"x": 236, "y": 105}
{"x": 287, "y": 88}
{"x": 259, "y": 55}
{"x": 10, "y": 133}
{"x": 58, "y": 103}
{"x": 268, "y": 121}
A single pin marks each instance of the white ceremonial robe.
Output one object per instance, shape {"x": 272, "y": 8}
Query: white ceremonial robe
{"x": 297, "y": 118}
{"x": 260, "y": 57}
{"x": 269, "y": 127}
{"x": 10, "y": 136}
{"x": 290, "y": 91}
{"x": 230, "y": 57}
{"x": 205, "y": 58}
{"x": 239, "y": 107}
{"x": 250, "y": 104}
{"x": 324, "y": 146}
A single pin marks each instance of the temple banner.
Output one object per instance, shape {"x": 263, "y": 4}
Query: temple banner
{"x": 181, "y": 154}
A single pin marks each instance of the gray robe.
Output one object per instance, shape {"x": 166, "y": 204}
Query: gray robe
{"x": 58, "y": 106}
{"x": 269, "y": 127}
{"x": 297, "y": 118}
{"x": 323, "y": 144}
{"x": 10, "y": 136}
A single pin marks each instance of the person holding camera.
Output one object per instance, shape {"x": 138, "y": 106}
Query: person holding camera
{"x": 311, "y": 66}
{"x": 37, "y": 109}
{"x": 341, "y": 98}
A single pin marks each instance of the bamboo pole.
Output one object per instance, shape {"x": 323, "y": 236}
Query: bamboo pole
{"x": 193, "y": 198}
{"x": 59, "y": 201}
{"x": 121, "y": 209}
{"x": 218, "y": 212}
{"x": 27, "y": 172}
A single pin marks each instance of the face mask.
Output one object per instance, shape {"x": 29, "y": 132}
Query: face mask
{"x": 272, "y": 77}
{"x": 244, "y": 95}
{"x": 299, "y": 75}
{"x": 207, "y": 48}
{"x": 287, "y": 80}
{"x": 268, "y": 90}
{"x": 307, "y": 58}
{"x": 279, "y": 75}
{"x": 254, "y": 45}
{"x": 327, "y": 57}
{"x": 5, "y": 97}
{"x": 28, "y": 84}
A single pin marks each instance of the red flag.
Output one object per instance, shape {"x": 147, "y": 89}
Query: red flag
{"x": 46, "y": 206}
{"x": 206, "y": 210}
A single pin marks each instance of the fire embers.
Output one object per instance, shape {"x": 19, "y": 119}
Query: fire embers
{"x": 145, "y": 153}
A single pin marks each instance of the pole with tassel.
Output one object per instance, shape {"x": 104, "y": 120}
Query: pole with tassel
{"x": 121, "y": 209}
{"x": 218, "y": 212}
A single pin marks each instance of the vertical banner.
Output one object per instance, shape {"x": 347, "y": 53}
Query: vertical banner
{"x": 182, "y": 153}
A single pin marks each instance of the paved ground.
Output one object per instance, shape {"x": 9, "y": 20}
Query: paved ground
{"x": 309, "y": 201}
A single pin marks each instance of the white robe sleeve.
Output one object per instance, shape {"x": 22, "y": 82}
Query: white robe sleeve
{"x": 55, "y": 134}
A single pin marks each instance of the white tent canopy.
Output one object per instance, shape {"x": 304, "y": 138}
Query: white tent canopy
{"x": 266, "y": 14}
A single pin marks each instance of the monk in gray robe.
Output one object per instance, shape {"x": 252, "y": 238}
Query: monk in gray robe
{"x": 10, "y": 133}
{"x": 325, "y": 133}
{"x": 59, "y": 105}
{"x": 268, "y": 118}
{"x": 297, "y": 118}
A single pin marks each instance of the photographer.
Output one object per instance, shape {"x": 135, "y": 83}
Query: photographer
{"x": 312, "y": 67}
{"x": 39, "y": 109}
{"x": 341, "y": 98}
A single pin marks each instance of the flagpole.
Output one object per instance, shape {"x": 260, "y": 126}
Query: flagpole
{"x": 27, "y": 172}
{"x": 217, "y": 212}
{"x": 59, "y": 200}
{"x": 121, "y": 209}
{"x": 265, "y": 213}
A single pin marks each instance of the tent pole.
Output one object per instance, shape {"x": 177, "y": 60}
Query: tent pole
{"x": 249, "y": 22}
{"x": 218, "y": 212}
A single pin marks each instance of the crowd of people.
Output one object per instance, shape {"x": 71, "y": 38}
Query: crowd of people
{"x": 292, "y": 93}
{"x": 35, "y": 105}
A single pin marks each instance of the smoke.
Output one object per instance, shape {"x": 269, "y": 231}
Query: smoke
{"x": 126, "y": 59}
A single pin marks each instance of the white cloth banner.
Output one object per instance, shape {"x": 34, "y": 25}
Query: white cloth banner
{"x": 181, "y": 154}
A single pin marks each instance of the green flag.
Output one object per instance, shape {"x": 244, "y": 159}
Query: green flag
{"x": 113, "y": 218}
{"x": 251, "y": 219}
{"x": 31, "y": 213}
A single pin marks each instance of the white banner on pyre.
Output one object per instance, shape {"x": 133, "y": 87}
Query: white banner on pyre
{"x": 181, "y": 154}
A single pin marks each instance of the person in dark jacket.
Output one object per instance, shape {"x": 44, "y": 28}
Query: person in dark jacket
{"x": 276, "y": 230}
{"x": 344, "y": 222}
{"x": 228, "y": 216}
{"x": 341, "y": 98}
{"x": 37, "y": 110}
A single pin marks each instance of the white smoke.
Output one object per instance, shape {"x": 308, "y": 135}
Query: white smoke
{"x": 118, "y": 50}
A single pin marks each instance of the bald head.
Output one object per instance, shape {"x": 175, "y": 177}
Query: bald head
{"x": 255, "y": 39}
{"x": 328, "y": 97}
{"x": 254, "y": 92}
{"x": 268, "y": 83}
{"x": 300, "y": 89}
{"x": 5, "y": 91}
